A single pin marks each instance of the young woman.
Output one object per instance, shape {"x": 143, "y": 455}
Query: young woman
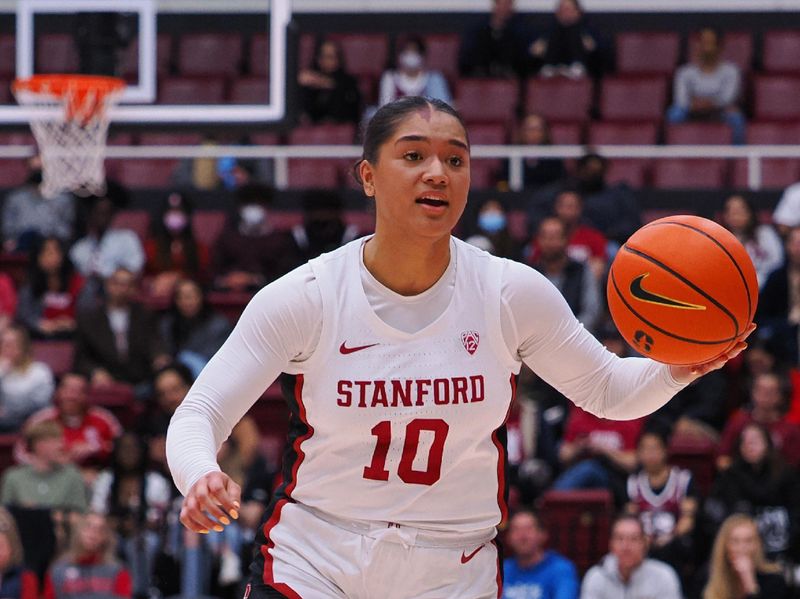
{"x": 411, "y": 78}
{"x": 402, "y": 351}
{"x": 26, "y": 385}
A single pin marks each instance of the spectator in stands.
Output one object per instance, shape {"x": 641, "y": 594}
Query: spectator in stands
{"x": 497, "y": 45}
{"x": 136, "y": 499}
{"x": 192, "y": 331}
{"x": 570, "y": 48}
{"x": 89, "y": 568}
{"x": 626, "y": 572}
{"x": 411, "y": 78}
{"x": 597, "y": 453}
{"x": 53, "y": 293}
{"x": 573, "y": 279}
{"x": 738, "y": 567}
{"x": 492, "y": 233}
{"x": 535, "y": 571}
{"x": 778, "y": 313}
{"x": 328, "y": 93}
{"x": 16, "y": 581}
{"x": 787, "y": 212}
{"x": 762, "y": 243}
{"x": 249, "y": 253}
{"x": 666, "y": 501}
{"x": 28, "y": 215}
{"x": 709, "y": 88}
{"x": 89, "y": 431}
{"x": 759, "y": 483}
{"x": 769, "y": 399}
{"x": 323, "y": 228}
{"x": 8, "y": 301}
{"x": 26, "y": 385}
{"x": 535, "y": 131}
{"x": 118, "y": 341}
{"x": 49, "y": 479}
{"x": 172, "y": 251}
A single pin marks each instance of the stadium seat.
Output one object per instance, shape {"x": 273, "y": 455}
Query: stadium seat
{"x": 321, "y": 173}
{"x": 775, "y": 98}
{"x": 776, "y": 173}
{"x": 265, "y": 138}
{"x": 633, "y": 98}
{"x": 172, "y": 138}
{"x": 8, "y": 53}
{"x": 579, "y": 524}
{"x": 364, "y": 53}
{"x": 630, "y": 134}
{"x": 284, "y": 220}
{"x": 249, "y": 90}
{"x": 305, "y": 50}
{"x": 647, "y": 52}
{"x": 121, "y": 138}
{"x": 118, "y": 399}
{"x": 363, "y": 220}
{"x": 773, "y": 133}
{"x": 207, "y": 226}
{"x": 341, "y": 134}
{"x": 129, "y": 62}
{"x": 209, "y": 54}
{"x": 145, "y": 173}
{"x": 56, "y": 53}
{"x": 686, "y": 173}
{"x": 488, "y": 134}
{"x": 484, "y": 172}
{"x": 230, "y": 304}
{"x": 566, "y": 133}
{"x": 737, "y": 47}
{"x": 13, "y": 172}
{"x": 631, "y": 171}
{"x": 698, "y": 134}
{"x": 442, "y": 53}
{"x": 559, "y": 99}
{"x": 137, "y": 221}
{"x": 697, "y": 456}
{"x": 191, "y": 90}
{"x": 652, "y": 214}
{"x": 58, "y": 355}
{"x": 258, "y": 55}
{"x": 485, "y": 100}
{"x": 780, "y": 51}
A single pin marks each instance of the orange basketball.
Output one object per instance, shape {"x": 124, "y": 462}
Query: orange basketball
{"x": 682, "y": 290}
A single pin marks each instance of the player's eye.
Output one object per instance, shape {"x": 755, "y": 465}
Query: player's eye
{"x": 456, "y": 161}
{"x": 412, "y": 156}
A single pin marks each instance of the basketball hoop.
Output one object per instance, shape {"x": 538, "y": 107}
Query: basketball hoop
{"x": 70, "y": 126}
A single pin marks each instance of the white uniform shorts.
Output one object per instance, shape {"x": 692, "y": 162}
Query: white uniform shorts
{"x": 309, "y": 555}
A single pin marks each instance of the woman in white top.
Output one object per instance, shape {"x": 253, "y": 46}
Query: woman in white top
{"x": 25, "y": 384}
{"x": 401, "y": 352}
{"x": 411, "y": 78}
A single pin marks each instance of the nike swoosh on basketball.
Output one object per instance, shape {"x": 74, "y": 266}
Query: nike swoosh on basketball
{"x": 465, "y": 558}
{"x": 349, "y": 350}
{"x": 643, "y": 295}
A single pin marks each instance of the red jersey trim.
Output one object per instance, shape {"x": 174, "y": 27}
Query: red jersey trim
{"x": 501, "y": 456}
{"x": 499, "y": 577}
{"x": 298, "y": 442}
{"x": 268, "y": 575}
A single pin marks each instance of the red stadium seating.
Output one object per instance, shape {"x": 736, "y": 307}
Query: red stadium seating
{"x": 776, "y": 173}
{"x": 56, "y": 53}
{"x": 737, "y": 47}
{"x": 13, "y": 172}
{"x": 773, "y": 133}
{"x": 566, "y": 133}
{"x": 118, "y": 399}
{"x": 579, "y": 524}
{"x": 488, "y": 134}
{"x": 686, "y": 173}
{"x": 518, "y": 225}
{"x": 186, "y": 138}
{"x": 129, "y": 62}
{"x": 323, "y": 173}
{"x": 775, "y": 98}
{"x": 780, "y": 51}
{"x": 632, "y": 171}
{"x": 698, "y": 134}
{"x": 142, "y": 173}
{"x": 191, "y": 90}
{"x": 284, "y": 220}
{"x": 647, "y": 52}
{"x": 249, "y": 90}
{"x": 484, "y": 172}
{"x": 611, "y": 133}
{"x": 230, "y": 304}
{"x": 5, "y": 91}
{"x": 343, "y": 134}
{"x": 364, "y": 53}
{"x": 258, "y": 55}
{"x": 209, "y": 54}
{"x": 58, "y": 355}
{"x": 137, "y": 221}
{"x": 697, "y": 456}
{"x": 364, "y": 220}
{"x": 633, "y": 98}
{"x": 266, "y": 138}
{"x": 559, "y": 99}
{"x": 306, "y": 47}
{"x": 8, "y": 53}
{"x": 442, "y": 53}
{"x": 487, "y": 100}
{"x": 207, "y": 226}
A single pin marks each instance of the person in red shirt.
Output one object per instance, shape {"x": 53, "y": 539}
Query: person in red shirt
{"x": 769, "y": 398}
{"x": 597, "y": 453}
{"x": 89, "y": 431}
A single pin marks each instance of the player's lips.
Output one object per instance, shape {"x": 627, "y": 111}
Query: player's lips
{"x": 434, "y": 200}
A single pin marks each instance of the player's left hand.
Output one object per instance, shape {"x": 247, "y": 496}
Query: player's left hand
{"x": 687, "y": 374}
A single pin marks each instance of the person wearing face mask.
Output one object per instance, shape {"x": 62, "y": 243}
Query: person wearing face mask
{"x": 249, "y": 253}
{"x": 411, "y": 78}
{"x": 172, "y": 251}
{"x": 492, "y": 231}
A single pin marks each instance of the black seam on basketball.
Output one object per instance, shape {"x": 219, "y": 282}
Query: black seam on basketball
{"x": 724, "y": 249}
{"x": 656, "y": 327}
{"x": 686, "y": 281}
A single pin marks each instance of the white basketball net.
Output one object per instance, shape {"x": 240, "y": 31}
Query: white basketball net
{"x": 72, "y": 146}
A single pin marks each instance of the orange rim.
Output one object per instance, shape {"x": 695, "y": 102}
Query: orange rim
{"x": 83, "y": 94}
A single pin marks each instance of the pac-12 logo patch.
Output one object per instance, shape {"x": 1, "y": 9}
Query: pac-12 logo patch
{"x": 470, "y": 339}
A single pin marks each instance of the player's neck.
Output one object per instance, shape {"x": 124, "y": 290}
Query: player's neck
{"x": 406, "y": 267}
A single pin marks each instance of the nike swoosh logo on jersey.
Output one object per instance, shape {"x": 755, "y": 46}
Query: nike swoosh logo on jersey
{"x": 643, "y": 295}
{"x": 349, "y": 350}
{"x": 466, "y": 558}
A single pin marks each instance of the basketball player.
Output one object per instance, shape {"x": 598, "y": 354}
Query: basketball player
{"x": 403, "y": 349}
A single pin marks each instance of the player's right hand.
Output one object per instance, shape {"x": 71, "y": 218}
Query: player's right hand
{"x": 211, "y": 502}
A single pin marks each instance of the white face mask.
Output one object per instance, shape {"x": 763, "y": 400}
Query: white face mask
{"x": 410, "y": 60}
{"x": 253, "y": 215}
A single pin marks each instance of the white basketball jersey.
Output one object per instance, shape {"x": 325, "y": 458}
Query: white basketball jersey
{"x": 398, "y": 427}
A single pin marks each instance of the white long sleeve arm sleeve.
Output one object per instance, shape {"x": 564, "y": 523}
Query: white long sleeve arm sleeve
{"x": 279, "y": 325}
{"x": 556, "y": 347}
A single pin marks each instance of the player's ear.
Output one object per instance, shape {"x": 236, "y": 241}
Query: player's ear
{"x": 366, "y": 175}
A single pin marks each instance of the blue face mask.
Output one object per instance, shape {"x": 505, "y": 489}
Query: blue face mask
{"x": 492, "y": 222}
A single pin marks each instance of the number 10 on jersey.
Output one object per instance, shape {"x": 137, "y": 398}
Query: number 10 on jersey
{"x": 405, "y": 470}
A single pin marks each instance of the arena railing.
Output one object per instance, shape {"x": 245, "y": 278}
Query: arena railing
{"x": 754, "y": 154}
